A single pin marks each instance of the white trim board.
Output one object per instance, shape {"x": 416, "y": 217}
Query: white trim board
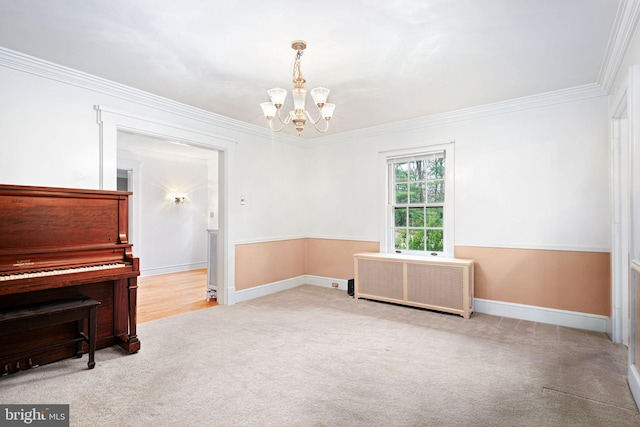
{"x": 326, "y": 282}
{"x": 619, "y": 43}
{"x": 49, "y": 70}
{"x": 535, "y": 246}
{"x": 283, "y": 285}
{"x": 268, "y": 289}
{"x": 634, "y": 383}
{"x": 172, "y": 269}
{"x": 39, "y": 67}
{"x": 570, "y": 319}
{"x": 269, "y": 239}
{"x": 571, "y": 94}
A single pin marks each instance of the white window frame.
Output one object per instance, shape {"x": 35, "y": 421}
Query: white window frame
{"x": 387, "y": 214}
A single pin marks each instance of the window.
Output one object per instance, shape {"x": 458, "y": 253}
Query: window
{"x": 419, "y": 204}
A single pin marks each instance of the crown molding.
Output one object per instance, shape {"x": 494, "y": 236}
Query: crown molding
{"x": 35, "y": 66}
{"x": 624, "y": 28}
{"x": 41, "y": 68}
{"x": 573, "y": 94}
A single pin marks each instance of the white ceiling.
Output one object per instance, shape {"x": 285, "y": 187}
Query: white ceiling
{"x": 384, "y": 60}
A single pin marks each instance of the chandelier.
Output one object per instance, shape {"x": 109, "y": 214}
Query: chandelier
{"x": 298, "y": 116}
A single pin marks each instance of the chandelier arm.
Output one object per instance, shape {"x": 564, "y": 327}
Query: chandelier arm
{"x": 283, "y": 122}
{"x": 311, "y": 118}
{"x": 321, "y": 130}
{"x": 274, "y": 129}
{"x": 287, "y": 119}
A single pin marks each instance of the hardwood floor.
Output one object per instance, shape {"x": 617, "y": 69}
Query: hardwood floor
{"x": 166, "y": 295}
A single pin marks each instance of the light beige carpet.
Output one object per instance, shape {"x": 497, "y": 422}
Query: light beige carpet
{"x": 313, "y": 356}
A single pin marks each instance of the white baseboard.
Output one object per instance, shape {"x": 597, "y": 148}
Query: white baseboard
{"x": 172, "y": 269}
{"x": 267, "y": 289}
{"x": 283, "y": 285}
{"x": 325, "y": 282}
{"x": 571, "y": 319}
{"x": 634, "y": 383}
{"x": 610, "y": 328}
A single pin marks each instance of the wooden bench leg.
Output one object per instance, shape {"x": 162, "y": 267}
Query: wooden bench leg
{"x": 93, "y": 330}
{"x": 79, "y": 331}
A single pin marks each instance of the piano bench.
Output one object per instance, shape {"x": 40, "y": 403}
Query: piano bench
{"x": 27, "y": 318}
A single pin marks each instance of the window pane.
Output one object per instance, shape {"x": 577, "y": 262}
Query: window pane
{"x": 434, "y": 217}
{"x": 402, "y": 171}
{"x": 417, "y": 170}
{"x": 416, "y": 240}
{"x": 401, "y": 193}
{"x": 416, "y": 217}
{"x": 417, "y": 199}
{"x": 400, "y": 217}
{"x": 435, "y": 168}
{"x": 435, "y": 242}
{"x": 435, "y": 191}
{"x": 417, "y": 192}
{"x": 401, "y": 239}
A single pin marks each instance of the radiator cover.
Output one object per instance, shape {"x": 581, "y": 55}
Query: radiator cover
{"x": 433, "y": 283}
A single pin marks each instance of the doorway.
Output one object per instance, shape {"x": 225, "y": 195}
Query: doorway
{"x": 114, "y": 121}
{"x": 174, "y": 209}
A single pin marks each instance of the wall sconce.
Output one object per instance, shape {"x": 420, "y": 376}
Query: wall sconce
{"x": 177, "y": 198}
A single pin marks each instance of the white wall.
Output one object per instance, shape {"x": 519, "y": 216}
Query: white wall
{"x": 532, "y": 178}
{"x": 271, "y": 177}
{"x": 550, "y": 161}
{"x": 50, "y": 136}
{"x": 48, "y": 132}
{"x": 171, "y": 237}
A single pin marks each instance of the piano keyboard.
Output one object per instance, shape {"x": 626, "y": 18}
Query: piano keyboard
{"x": 26, "y": 275}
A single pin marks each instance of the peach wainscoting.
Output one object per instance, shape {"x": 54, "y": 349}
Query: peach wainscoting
{"x": 565, "y": 280}
{"x": 334, "y": 258}
{"x": 557, "y": 279}
{"x": 267, "y": 262}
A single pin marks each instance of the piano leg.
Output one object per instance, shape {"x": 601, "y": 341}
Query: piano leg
{"x": 134, "y": 343}
{"x": 125, "y": 292}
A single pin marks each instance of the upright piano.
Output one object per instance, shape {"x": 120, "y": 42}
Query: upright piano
{"x": 58, "y": 243}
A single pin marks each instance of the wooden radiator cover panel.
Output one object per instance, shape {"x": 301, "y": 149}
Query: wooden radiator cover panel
{"x": 381, "y": 279}
{"x": 438, "y": 284}
{"x": 444, "y": 285}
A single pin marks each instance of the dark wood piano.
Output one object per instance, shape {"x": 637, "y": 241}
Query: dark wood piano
{"x": 58, "y": 243}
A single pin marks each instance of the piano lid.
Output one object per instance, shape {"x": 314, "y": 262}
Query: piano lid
{"x": 61, "y": 226}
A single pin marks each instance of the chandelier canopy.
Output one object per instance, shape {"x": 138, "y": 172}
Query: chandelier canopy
{"x": 298, "y": 116}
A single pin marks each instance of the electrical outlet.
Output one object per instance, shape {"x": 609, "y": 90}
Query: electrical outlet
{"x": 334, "y": 284}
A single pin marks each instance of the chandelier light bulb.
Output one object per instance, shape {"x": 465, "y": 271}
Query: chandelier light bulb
{"x": 269, "y": 110}
{"x": 327, "y": 111}
{"x": 277, "y": 96}
{"x": 320, "y": 95}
